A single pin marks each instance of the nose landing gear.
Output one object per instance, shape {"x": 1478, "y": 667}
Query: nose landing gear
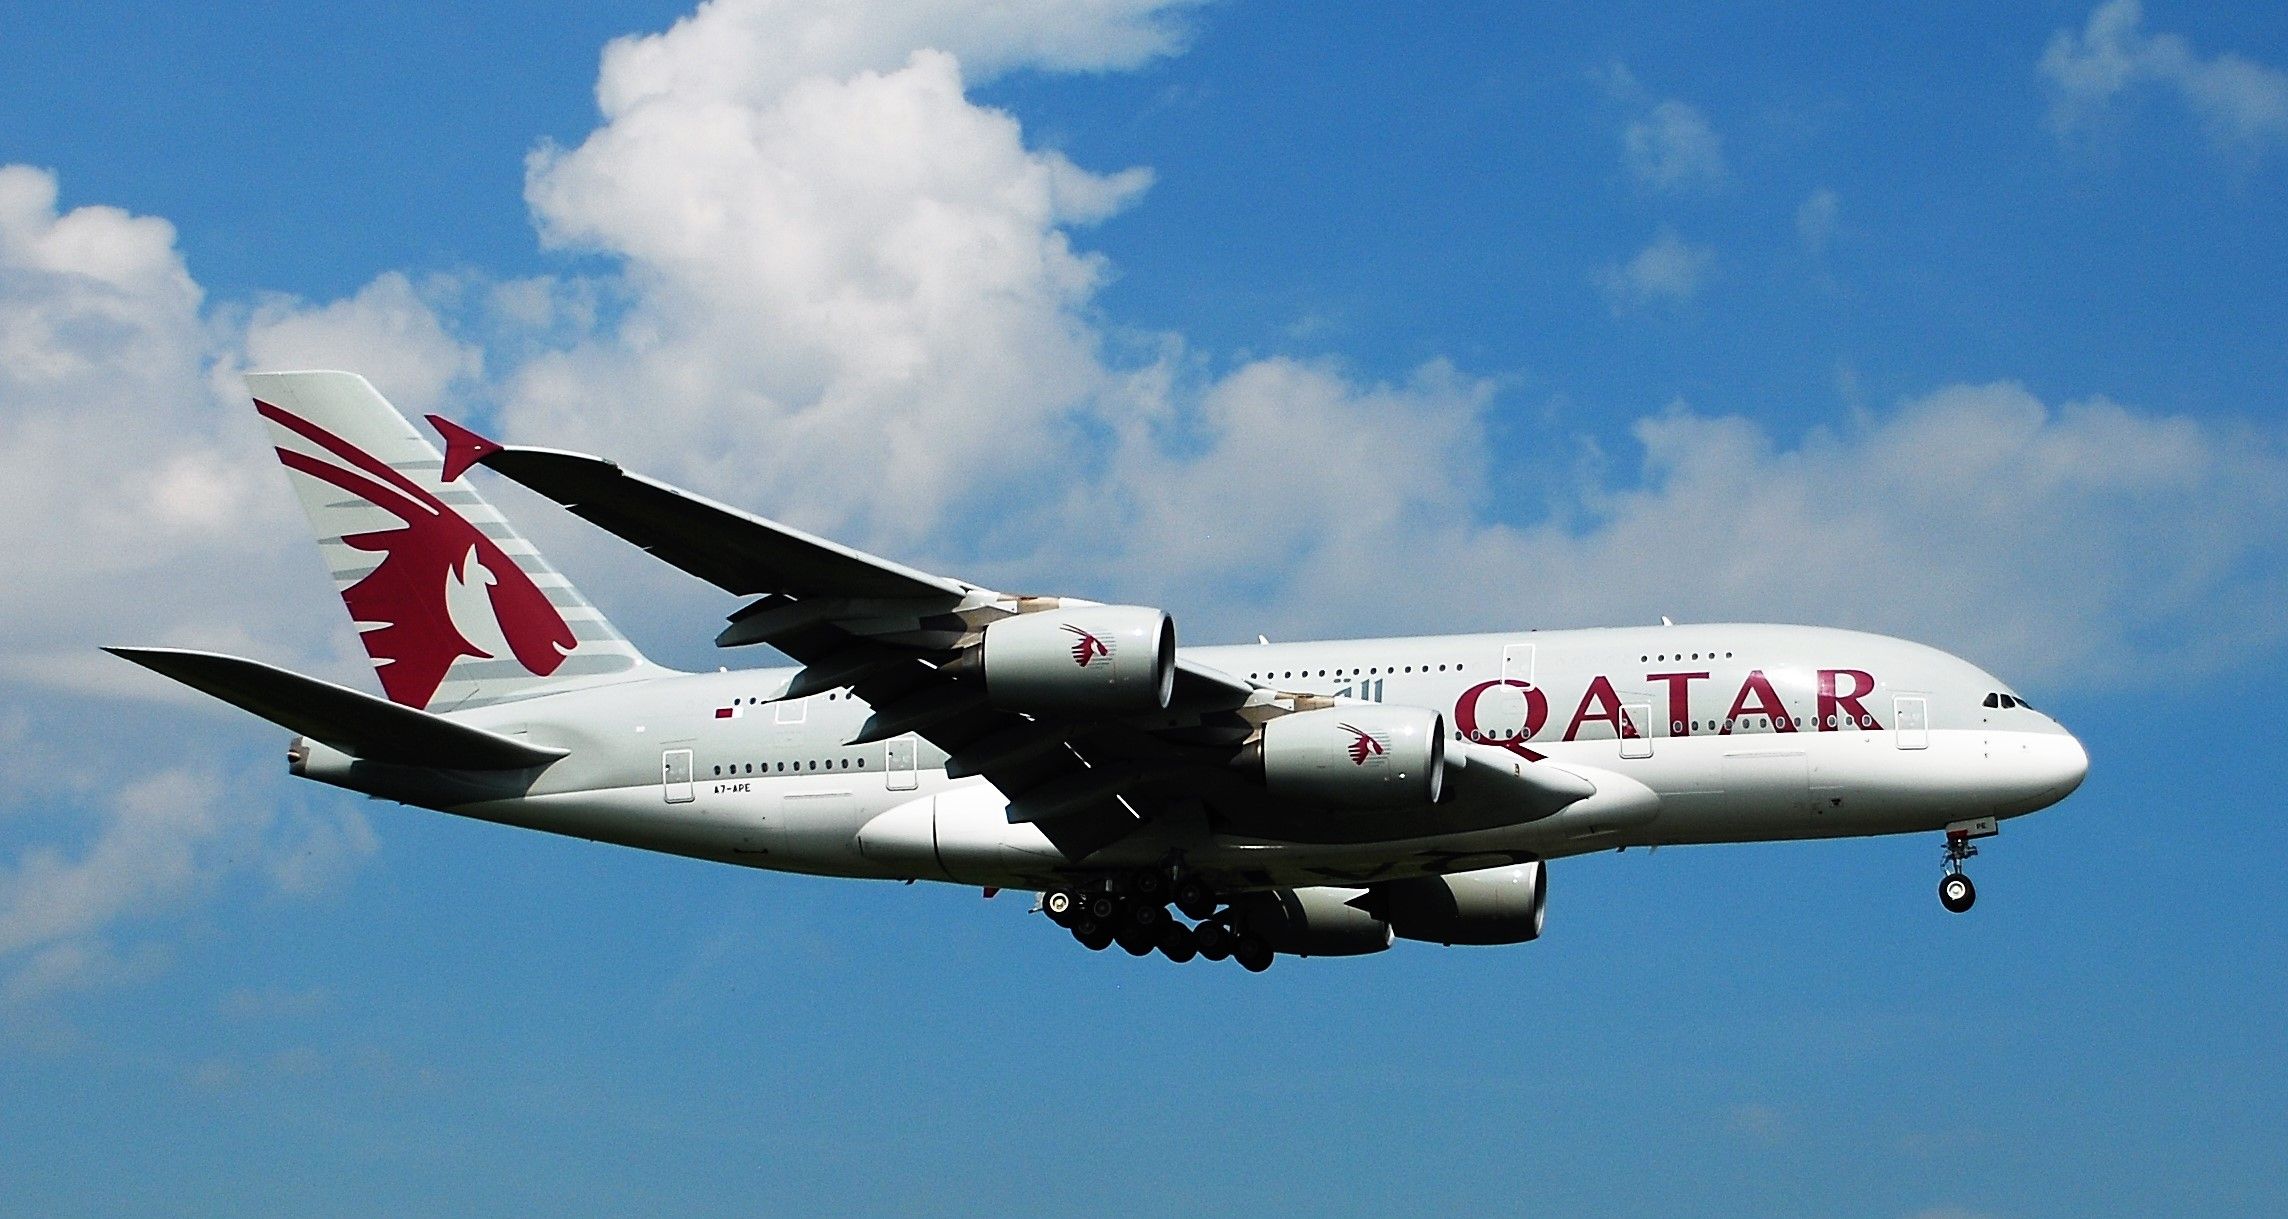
{"x": 1955, "y": 892}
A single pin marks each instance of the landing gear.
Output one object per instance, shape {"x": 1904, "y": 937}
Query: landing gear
{"x": 1955, "y": 892}
{"x": 1131, "y": 910}
{"x": 1194, "y": 898}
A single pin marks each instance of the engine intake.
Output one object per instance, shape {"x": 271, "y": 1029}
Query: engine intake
{"x": 1117, "y": 659}
{"x": 1494, "y": 906}
{"x": 1362, "y": 756}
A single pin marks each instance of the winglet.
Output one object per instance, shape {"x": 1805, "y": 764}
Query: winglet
{"x": 463, "y": 448}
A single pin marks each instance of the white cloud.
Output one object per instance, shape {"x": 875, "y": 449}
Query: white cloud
{"x": 868, "y": 273}
{"x": 1815, "y": 220}
{"x": 161, "y": 840}
{"x": 386, "y": 331}
{"x": 2243, "y": 105}
{"x": 1666, "y": 144}
{"x": 1671, "y": 270}
{"x": 749, "y": 53}
{"x": 2075, "y": 545}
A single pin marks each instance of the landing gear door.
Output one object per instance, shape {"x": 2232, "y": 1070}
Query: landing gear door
{"x": 675, "y": 776}
{"x": 1911, "y": 722}
{"x": 898, "y": 761}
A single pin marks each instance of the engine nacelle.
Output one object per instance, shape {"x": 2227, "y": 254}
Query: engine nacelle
{"x": 1314, "y": 922}
{"x": 1494, "y": 906}
{"x": 1364, "y": 756}
{"x": 1117, "y": 659}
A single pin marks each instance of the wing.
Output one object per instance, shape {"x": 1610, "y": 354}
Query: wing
{"x": 889, "y": 633}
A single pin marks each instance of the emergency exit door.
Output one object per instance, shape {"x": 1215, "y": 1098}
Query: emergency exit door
{"x": 675, "y": 776}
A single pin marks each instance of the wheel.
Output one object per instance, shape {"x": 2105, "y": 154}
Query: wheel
{"x": 1150, "y": 885}
{"x": 1252, "y": 954}
{"x": 1095, "y": 939}
{"x": 1147, "y": 915}
{"x": 1956, "y": 893}
{"x": 1103, "y": 906}
{"x": 1195, "y": 899}
{"x": 1059, "y": 905}
{"x": 1214, "y": 940}
{"x": 1136, "y": 941}
{"x": 1086, "y": 925}
{"x": 1176, "y": 942}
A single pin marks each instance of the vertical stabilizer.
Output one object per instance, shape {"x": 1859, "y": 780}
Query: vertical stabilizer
{"x": 453, "y": 606}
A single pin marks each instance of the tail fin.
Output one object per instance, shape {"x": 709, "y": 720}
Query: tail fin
{"x": 455, "y": 609}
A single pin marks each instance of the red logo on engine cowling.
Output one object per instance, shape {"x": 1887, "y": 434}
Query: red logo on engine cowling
{"x": 1364, "y": 744}
{"x": 1087, "y": 648}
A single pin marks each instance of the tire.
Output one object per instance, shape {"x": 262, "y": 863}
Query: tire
{"x": 1195, "y": 899}
{"x": 1136, "y": 941}
{"x": 1096, "y": 939}
{"x": 1148, "y": 916}
{"x": 1253, "y": 955}
{"x": 1177, "y": 943}
{"x": 1956, "y": 893}
{"x": 1103, "y": 906}
{"x": 1214, "y": 940}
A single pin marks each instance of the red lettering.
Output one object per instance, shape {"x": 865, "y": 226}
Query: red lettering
{"x": 1833, "y": 701}
{"x": 1767, "y": 703}
{"x": 1536, "y": 714}
{"x": 1679, "y": 699}
{"x": 1600, "y": 693}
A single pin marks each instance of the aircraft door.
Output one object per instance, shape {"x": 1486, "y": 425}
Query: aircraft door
{"x": 675, "y": 776}
{"x": 1911, "y": 722}
{"x": 1517, "y": 663}
{"x": 898, "y": 761}
{"x": 1636, "y": 730}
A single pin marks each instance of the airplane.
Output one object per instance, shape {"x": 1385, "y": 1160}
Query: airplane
{"x": 1311, "y": 799}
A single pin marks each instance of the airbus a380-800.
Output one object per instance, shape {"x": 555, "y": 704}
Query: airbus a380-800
{"x": 1307, "y": 798}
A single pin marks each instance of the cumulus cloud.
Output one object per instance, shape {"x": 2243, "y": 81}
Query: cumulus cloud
{"x": 2242, "y": 104}
{"x": 2075, "y": 544}
{"x": 163, "y": 839}
{"x": 1669, "y": 271}
{"x": 1666, "y": 144}
{"x": 862, "y": 272}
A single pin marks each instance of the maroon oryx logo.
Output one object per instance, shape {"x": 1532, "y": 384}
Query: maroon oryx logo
{"x": 1364, "y": 744}
{"x": 401, "y": 606}
{"x": 1087, "y": 648}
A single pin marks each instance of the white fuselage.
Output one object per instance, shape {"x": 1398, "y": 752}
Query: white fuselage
{"x": 1691, "y": 734}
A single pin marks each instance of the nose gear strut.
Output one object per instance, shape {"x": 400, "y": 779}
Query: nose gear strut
{"x": 1955, "y": 892}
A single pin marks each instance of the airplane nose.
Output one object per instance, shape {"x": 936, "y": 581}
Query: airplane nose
{"x": 2064, "y": 764}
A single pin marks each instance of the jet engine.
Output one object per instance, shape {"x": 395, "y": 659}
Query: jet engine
{"x": 1112, "y": 659}
{"x": 1313, "y": 922}
{"x": 1494, "y": 906}
{"x": 1364, "y": 756}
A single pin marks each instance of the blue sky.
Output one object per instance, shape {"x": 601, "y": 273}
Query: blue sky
{"x": 1292, "y": 319}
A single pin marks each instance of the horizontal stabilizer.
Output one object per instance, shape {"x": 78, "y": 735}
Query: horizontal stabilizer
{"x": 359, "y": 724}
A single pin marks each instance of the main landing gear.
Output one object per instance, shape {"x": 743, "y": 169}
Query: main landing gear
{"x": 1132, "y": 911}
{"x": 1955, "y": 892}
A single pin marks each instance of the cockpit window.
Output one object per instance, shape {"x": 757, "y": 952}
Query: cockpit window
{"x": 1999, "y": 699}
{"x": 1993, "y": 700}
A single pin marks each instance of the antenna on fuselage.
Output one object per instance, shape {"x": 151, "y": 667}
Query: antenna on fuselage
{"x": 1665, "y": 622}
